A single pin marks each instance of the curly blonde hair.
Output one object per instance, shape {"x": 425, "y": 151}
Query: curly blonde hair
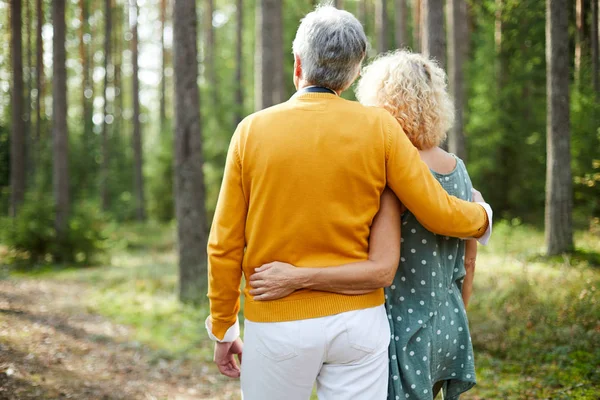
{"x": 413, "y": 89}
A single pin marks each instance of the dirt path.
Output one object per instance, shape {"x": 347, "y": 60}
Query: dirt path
{"x": 51, "y": 348}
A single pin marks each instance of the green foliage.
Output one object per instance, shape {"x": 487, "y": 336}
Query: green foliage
{"x": 31, "y": 236}
{"x": 160, "y": 181}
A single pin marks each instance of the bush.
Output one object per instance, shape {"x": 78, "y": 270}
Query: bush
{"x": 32, "y": 238}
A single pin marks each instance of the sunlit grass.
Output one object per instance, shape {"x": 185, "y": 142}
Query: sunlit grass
{"x": 534, "y": 320}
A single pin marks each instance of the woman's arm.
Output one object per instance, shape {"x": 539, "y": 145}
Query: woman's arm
{"x": 276, "y": 280}
{"x": 470, "y": 258}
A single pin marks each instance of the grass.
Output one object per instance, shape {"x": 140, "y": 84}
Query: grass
{"x": 535, "y": 321}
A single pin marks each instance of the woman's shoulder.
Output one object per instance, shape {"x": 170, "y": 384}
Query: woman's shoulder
{"x": 439, "y": 160}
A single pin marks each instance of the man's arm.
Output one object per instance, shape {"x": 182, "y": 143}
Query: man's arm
{"x": 470, "y": 259}
{"x": 276, "y": 280}
{"x": 409, "y": 177}
{"x": 226, "y": 250}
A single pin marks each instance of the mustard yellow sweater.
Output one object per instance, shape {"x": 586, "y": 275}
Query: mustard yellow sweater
{"x": 302, "y": 184}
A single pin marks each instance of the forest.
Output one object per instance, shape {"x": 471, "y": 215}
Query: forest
{"x": 115, "y": 120}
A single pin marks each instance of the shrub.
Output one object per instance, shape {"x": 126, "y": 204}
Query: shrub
{"x": 32, "y": 238}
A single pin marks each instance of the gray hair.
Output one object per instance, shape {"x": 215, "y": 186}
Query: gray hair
{"x": 331, "y": 45}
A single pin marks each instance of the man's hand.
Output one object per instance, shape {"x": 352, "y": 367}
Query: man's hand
{"x": 225, "y": 357}
{"x": 273, "y": 281}
{"x": 477, "y": 197}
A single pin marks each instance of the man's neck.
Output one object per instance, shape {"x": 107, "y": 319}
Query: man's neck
{"x": 303, "y": 85}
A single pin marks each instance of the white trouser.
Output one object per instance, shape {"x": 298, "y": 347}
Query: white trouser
{"x": 346, "y": 354}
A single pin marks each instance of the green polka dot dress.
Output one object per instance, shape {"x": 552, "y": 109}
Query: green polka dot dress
{"x": 430, "y": 333}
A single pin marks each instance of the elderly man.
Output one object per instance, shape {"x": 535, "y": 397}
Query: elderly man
{"x": 302, "y": 184}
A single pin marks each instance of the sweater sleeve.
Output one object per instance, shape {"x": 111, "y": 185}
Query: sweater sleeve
{"x": 409, "y": 177}
{"x": 226, "y": 245}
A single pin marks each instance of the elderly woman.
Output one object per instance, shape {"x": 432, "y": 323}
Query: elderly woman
{"x": 431, "y": 347}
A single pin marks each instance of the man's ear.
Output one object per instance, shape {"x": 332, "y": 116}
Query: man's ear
{"x": 297, "y": 67}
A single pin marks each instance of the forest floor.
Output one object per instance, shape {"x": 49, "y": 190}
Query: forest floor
{"x": 117, "y": 331}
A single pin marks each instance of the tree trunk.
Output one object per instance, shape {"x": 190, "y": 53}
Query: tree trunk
{"x": 209, "y": 52}
{"x": 39, "y": 70}
{"x": 60, "y": 134}
{"x": 339, "y": 4}
{"x": 457, "y": 39}
{"x": 140, "y": 203}
{"x": 105, "y": 167}
{"x": 163, "y": 83}
{"x": 17, "y": 137}
{"x": 269, "y": 85}
{"x": 117, "y": 61}
{"x": 239, "y": 59}
{"x": 86, "y": 90}
{"x": 594, "y": 33}
{"x": 416, "y": 14}
{"x": 189, "y": 178}
{"x": 381, "y": 25}
{"x": 433, "y": 39}
{"x": 559, "y": 191}
{"x": 28, "y": 120}
{"x": 400, "y": 24}
{"x": 579, "y": 21}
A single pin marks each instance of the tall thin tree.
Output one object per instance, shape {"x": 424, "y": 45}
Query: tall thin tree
{"x": 39, "y": 71}
{"x": 338, "y": 4}
{"x": 269, "y": 85}
{"x": 105, "y": 167}
{"x": 579, "y": 22}
{"x": 163, "y": 80}
{"x": 29, "y": 79}
{"x": 400, "y": 19}
{"x": 60, "y": 135}
{"x": 140, "y": 203}
{"x": 457, "y": 39}
{"x": 559, "y": 190}
{"x": 209, "y": 51}
{"x": 433, "y": 39}
{"x": 17, "y": 136}
{"x": 594, "y": 44}
{"x": 239, "y": 59}
{"x": 381, "y": 25}
{"x": 416, "y": 33}
{"x": 86, "y": 81}
{"x": 189, "y": 178}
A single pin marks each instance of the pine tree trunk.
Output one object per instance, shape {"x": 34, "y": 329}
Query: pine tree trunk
{"x": 594, "y": 43}
{"x": 28, "y": 119}
{"x": 269, "y": 85}
{"x": 433, "y": 38}
{"x": 17, "y": 137}
{"x": 117, "y": 61}
{"x": 416, "y": 14}
{"x": 60, "y": 138}
{"x": 400, "y": 24}
{"x": 140, "y": 203}
{"x": 457, "y": 39}
{"x": 209, "y": 52}
{"x": 381, "y": 25}
{"x": 39, "y": 80}
{"x": 579, "y": 21}
{"x": 559, "y": 191}
{"x": 239, "y": 54}
{"x": 163, "y": 83}
{"x": 85, "y": 83}
{"x": 189, "y": 178}
{"x": 339, "y": 4}
{"x": 105, "y": 167}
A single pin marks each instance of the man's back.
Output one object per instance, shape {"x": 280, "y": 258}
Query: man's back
{"x": 312, "y": 171}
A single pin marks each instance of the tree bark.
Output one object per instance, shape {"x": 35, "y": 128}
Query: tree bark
{"x": 457, "y": 39}
{"x": 163, "y": 83}
{"x": 269, "y": 85}
{"x": 416, "y": 14}
{"x": 140, "y": 203}
{"x": 189, "y": 178}
{"x": 433, "y": 39}
{"x": 39, "y": 70}
{"x": 594, "y": 43}
{"x": 339, "y": 4}
{"x": 28, "y": 120}
{"x": 559, "y": 191}
{"x": 579, "y": 21}
{"x": 60, "y": 143}
{"x": 17, "y": 137}
{"x": 400, "y": 24}
{"x": 209, "y": 52}
{"x": 86, "y": 87}
{"x": 381, "y": 25}
{"x": 239, "y": 59}
{"x": 104, "y": 173}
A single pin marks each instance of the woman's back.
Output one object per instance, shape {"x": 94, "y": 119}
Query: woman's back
{"x": 431, "y": 340}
